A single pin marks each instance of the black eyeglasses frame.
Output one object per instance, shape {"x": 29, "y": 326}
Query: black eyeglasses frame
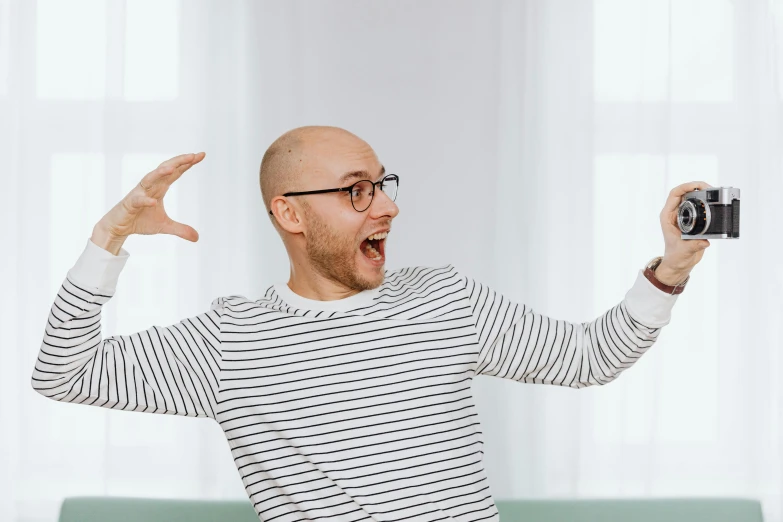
{"x": 348, "y": 189}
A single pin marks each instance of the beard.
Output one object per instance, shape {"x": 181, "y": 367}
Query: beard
{"x": 334, "y": 256}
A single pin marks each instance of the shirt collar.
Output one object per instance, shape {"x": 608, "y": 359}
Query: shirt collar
{"x": 359, "y": 300}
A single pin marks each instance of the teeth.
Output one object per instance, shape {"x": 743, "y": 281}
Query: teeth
{"x": 374, "y": 254}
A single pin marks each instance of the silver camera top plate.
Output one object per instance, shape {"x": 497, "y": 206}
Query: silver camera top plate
{"x": 725, "y": 195}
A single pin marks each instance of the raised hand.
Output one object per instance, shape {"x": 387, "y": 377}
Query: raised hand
{"x": 142, "y": 211}
{"x": 680, "y": 255}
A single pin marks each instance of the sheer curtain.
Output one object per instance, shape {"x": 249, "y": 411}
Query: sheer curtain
{"x": 536, "y": 142}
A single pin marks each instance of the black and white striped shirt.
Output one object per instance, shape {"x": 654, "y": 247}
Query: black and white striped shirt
{"x": 355, "y": 409}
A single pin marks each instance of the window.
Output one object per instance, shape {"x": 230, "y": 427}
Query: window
{"x": 5, "y": 44}
{"x": 629, "y": 193}
{"x": 656, "y": 64}
{"x": 76, "y": 203}
{"x": 71, "y": 49}
{"x": 80, "y": 42}
{"x": 77, "y": 191}
{"x": 633, "y": 46}
{"x": 151, "y": 50}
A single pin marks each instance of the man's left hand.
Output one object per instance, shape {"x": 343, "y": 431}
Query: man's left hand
{"x": 680, "y": 255}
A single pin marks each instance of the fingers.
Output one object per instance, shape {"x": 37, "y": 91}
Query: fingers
{"x": 696, "y": 245}
{"x": 181, "y": 168}
{"x": 170, "y": 170}
{"x": 182, "y": 159}
{"x": 675, "y": 196}
{"x": 182, "y": 230}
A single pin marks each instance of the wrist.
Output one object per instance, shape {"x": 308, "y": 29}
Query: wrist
{"x": 670, "y": 276}
{"x": 103, "y": 238}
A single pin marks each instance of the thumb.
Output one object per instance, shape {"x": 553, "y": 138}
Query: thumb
{"x": 182, "y": 230}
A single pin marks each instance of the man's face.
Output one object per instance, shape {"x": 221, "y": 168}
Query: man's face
{"x": 336, "y": 234}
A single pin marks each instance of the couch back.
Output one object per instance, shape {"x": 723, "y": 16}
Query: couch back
{"x": 124, "y": 509}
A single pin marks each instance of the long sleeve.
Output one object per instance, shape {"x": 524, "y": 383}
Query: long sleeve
{"x": 170, "y": 370}
{"x": 517, "y": 343}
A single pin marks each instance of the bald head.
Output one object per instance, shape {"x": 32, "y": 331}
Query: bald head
{"x": 283, "y": 167}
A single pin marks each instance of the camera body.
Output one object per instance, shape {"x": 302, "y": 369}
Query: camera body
{"x": 712, "y": 213}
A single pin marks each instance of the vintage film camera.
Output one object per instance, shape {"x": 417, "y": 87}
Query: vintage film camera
{"x": 712, "y": 213}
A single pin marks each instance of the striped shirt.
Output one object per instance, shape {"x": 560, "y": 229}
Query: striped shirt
{"x": 354, "y": 409}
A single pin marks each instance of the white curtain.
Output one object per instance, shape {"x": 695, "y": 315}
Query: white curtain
{"x": 536, "y": 143}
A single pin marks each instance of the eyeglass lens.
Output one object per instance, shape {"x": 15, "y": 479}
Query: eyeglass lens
{"x": 361, "y": 195}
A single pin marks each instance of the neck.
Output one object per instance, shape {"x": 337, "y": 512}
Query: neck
{"x": 312, "y": 285}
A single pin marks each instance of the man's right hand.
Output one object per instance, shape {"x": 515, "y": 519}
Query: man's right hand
{"x": 141, "y": 210}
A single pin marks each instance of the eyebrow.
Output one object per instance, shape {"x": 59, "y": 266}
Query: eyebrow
{"x": 360, "y": 174}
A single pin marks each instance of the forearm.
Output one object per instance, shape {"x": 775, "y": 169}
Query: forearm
{"x": 617, "y": 339}
{"x": 171, "y": 370}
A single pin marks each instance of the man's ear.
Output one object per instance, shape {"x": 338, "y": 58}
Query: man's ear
{"x": 287, "y": 215}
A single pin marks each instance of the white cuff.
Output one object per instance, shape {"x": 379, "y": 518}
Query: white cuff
{"x": 649, "y": 305}
{"x": 98, "y": 268}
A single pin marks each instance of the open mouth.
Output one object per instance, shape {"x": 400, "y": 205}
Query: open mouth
{"x": 374, "y": 247}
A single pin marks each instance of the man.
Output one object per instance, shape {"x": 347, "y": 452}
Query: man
{"x": 345, "y": 394}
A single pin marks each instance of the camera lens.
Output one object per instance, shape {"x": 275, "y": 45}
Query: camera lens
{"x": 687, "y": 218}
{"x": 692, "y": 217}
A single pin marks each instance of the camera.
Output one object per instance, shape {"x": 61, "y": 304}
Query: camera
{"x": 712, "y": 213}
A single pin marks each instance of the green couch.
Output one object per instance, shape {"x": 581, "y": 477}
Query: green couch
{"x": 119, "y": 509}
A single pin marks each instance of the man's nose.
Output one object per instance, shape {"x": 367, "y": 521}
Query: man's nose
{"x": 382, "y": 205}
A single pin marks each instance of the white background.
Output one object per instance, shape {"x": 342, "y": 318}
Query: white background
{"x": 536, "y": 142}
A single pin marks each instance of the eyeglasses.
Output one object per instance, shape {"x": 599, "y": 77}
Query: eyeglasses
{"x": 361, "y": 192}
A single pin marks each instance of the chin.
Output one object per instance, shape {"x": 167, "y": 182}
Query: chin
{"x": 372, "y": 272}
